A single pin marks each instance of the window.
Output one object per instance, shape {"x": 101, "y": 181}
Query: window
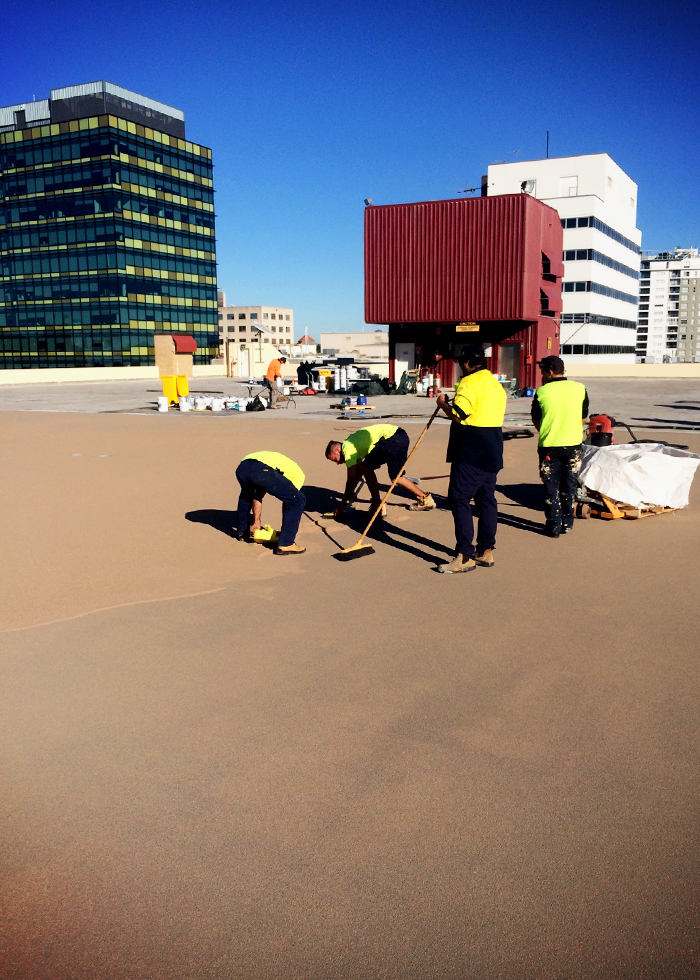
{"x": 253, "y": 316}
{"x": 609, "y": 181}
{"x": 265, "y": 316}
{"x": 286, "y": 317}
{"x": 568, "y": 186}
{"x": 242, "y": 328}
{"x": 230, "y": 316}
{"x": 221, "y": 316}
{"x": 273, "y": 317}
{"x": 241, "y": 316}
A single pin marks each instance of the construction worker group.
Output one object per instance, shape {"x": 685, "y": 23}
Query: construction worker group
{"x": 474, "y": 451}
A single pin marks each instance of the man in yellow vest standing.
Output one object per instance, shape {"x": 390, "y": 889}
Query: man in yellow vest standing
{"x": 273, "y": 473}
{"x": 475, "y": 450}
{"x": 558, "y": 410}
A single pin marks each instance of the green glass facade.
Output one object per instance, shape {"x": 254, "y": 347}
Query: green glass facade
{"x": 106, "y": 236}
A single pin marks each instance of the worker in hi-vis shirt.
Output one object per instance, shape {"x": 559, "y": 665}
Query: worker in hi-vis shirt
{"x": 475, "y": 451}
{"x": 558, "y": 410}
{"x": 364, "y": 452}
{"x": 273, "y": 473}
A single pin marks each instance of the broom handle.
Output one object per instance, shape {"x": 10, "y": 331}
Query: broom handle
{"x": 386, "y": 495}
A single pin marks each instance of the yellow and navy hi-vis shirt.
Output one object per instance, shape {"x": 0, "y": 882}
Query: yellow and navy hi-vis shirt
{"x": 362, "y": 442}
{"x": 560, "y": 406}
{"x": 286, "y": 466}
{"x": 477, "y": 438}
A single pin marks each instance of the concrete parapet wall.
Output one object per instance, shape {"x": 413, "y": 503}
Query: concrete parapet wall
{"x": 38, "y": 376}
{"x": 209, "y": 371}
{"x": 665, "y": 371}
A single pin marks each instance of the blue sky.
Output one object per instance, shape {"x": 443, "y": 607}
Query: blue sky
{"x": 311, "y": 107}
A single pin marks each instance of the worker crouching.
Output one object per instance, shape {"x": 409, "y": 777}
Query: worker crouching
{"x": 273, "y": 473}
{"x": 364, "y": 452}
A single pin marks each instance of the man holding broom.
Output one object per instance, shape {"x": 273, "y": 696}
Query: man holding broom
{"x": 364, "y": 452}
{"x": 475, "y": 450}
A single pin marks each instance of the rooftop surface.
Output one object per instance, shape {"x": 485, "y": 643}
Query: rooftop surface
{"x": 218, "y": 764}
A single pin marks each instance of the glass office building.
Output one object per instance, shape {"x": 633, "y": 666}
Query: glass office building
{"x": 106, "y": 231}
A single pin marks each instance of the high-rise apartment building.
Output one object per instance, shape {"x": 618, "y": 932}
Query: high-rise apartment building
{"x": 669, "y": 307}
{"x": 597, "y": 204}
{"x": 106, "y": 231}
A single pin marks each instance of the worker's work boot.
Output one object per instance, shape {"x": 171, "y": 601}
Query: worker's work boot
{"x": 290, "y": 549}
{"x": 484, "y": 558}
{"x": 426, "y": 502}
{"x": 382, "y": 510}
{"x": 458, "y": 564}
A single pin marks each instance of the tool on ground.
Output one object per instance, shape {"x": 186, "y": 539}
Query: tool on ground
{"x": 358, "y": 550}
{"x": 420, "y": 479}
{"x": 266, "y": 535}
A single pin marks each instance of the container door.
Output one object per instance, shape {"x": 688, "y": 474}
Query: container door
{"x": 509, "y": 361}
{"x": 404, "y": 360}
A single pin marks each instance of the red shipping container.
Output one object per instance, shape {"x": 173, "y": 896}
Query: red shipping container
{"x": 445, "y": 273}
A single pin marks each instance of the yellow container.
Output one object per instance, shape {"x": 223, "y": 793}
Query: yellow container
{"x": 183, "y": 387}
{"x": 266, "y": 535}
{"x": 170, "y": 388}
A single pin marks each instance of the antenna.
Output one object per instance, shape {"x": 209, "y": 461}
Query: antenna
{"x": 548, "y": 144}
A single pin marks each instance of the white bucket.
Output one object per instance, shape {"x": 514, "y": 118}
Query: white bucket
{"x": 285, "y": 389}
{"x": 162, "y": 403}
{"x": 184, "y": 403}
{"x": 218, "y": 404}
{"x": 200, "y": 404}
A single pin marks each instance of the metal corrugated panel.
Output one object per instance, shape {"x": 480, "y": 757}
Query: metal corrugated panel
{"x": 467, "y": 259}
{"x": 97, "y": 88}
{"x": 33, "y": 111}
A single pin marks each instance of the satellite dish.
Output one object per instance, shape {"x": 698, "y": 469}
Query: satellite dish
{"x": 368, "y": 200}
{"x": 527, "y": 186}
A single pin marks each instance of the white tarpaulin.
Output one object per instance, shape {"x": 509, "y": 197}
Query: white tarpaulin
{"x": 640, "y": 474}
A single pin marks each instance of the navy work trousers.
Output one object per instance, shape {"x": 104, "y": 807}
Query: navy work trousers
{"x": 559, "y": 467}
{"x": 254, "y": 475}
{"x": 468, "y": 482}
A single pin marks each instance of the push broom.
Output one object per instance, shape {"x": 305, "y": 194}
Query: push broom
{"x": 359, "y": 550}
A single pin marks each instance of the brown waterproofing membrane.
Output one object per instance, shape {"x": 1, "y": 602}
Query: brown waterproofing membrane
{"x": 221, "y": 764}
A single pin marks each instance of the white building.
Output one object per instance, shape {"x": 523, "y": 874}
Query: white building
{"x": 669, "y": 307}
{"x": 253, "y": 324}
{"x": 364, "y": 344}
{"x": 597, "y": 204}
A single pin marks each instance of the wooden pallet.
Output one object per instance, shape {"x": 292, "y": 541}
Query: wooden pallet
{"x": 634, "y": 513}
{"x": 612, "y": 511}
{"x": 353, "y": 408}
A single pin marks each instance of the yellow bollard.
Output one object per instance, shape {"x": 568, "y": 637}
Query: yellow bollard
{"x": 183, "y": 388}
{"x": 170, "y": 388}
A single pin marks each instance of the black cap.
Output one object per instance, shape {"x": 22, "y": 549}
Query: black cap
{"x": 552, "y": 363}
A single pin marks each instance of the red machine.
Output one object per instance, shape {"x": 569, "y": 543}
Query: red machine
{"x": 600, "y": 430}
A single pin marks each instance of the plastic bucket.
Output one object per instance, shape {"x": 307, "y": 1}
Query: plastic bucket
{"x": 184, "y": 403}
{"x": 163, "y": 403}
{"x": 529, "y": 392}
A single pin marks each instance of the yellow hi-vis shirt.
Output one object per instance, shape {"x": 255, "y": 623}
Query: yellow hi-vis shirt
{"x": 286, "y": 466}
{"x": 362, "y": 442}
{"x": 482, "y": 399}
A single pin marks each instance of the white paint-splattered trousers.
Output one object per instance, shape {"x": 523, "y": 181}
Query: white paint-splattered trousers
{"x": 559, "y": 466}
